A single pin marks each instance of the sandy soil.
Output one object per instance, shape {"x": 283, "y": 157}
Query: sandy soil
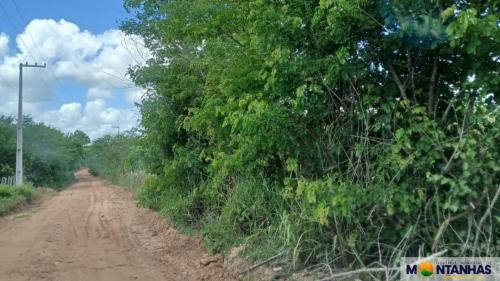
{"x": 94, "y": 231}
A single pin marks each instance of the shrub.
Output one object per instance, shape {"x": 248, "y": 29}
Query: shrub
{"x": 12, "y": 196}
{"x": 348, "y": 131}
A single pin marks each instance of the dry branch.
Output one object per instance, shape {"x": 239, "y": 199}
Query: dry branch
{"x": 379, "y": 269}
{"x": 261, "y": 263}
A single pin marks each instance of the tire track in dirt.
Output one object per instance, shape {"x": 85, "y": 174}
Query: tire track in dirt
{"x": 94, "y": 231}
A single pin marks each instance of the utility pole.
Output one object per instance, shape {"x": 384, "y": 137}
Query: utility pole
{"x": 19, "y": 151}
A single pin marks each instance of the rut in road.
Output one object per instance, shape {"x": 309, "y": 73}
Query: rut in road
{"x": 93, "y": 231}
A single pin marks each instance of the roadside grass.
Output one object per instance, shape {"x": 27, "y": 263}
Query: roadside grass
{"x": 132, "y": 180}
{"x": 243, "y": 211}
{"x": 251, "y": 213}
{"x": 12, "y": 196}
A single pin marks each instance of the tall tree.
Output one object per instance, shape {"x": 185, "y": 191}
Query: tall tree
{"x": 369, "y": 113}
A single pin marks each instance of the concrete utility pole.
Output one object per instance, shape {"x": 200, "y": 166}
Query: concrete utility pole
{"x": 19, "y": 151}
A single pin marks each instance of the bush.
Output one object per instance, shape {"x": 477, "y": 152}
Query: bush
{"x": 334, "y": 136}
{"x": 12, "y": 196}
{"x": 50, "y": 156}
{"x": 117, "y": 158}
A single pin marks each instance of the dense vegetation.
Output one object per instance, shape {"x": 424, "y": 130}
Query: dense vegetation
{"x": 118, "y": 158}
{"x": 12, "y": 196}
{"x": 345, "y": 132}
{"x": 50, "y": 157}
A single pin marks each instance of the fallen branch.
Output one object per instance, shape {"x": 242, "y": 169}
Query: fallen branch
{"x": 261, "y": 263}
{"x": 359, "y": 271}
{"x": 379, "y": 269}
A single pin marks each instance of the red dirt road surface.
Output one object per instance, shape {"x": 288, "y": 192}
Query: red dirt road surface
{"x": 92, "y": 231}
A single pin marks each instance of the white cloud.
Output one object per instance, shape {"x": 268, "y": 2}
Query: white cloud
{"x": 4, "y": 44}
{"x": 66, "y": 117}
{"x": 98, "y": 61}
{"x": 134, "y": 95}
{"x": 60, "y": 40}
{"x": 98, "y": 93}
{"x": 95, "y": 118}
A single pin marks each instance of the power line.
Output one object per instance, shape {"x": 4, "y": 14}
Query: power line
{"x": 56, "y": 79}
{"x": 128, "y": 83}
{"x": 116, "y": 76}
{"x": 9, "y": 19}
{"x": 28, "y": 31}
{"x": 125, "y": 46}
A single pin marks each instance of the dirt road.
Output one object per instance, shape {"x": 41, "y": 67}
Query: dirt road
{"x": 91, "y": 232}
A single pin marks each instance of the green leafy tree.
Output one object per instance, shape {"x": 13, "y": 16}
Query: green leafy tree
{"x": 365, "y": 123}
{"x": 7, "y": 147}
{"x": 77, "y": 142}
{"x": 117, "y": 158}
{"x": 49, "y": 157}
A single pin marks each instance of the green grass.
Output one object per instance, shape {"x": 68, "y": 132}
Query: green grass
{"x": 246, "y": 211}
{"x": 12, "y": 196}
{"x": 251, "y": 212}
{"x": 129, "y": 180}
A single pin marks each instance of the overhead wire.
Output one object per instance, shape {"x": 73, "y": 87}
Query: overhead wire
{"x": 123, "y": 79}
{"x": 127, "y": 84}
{"x": 9, "y": 19}
{"x": 11, "y": 23}
{"x": 51, "y": 71}
{"x": 54, "y": 98}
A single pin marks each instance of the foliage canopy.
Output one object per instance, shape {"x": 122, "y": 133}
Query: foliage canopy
{"x": 309, "y": 124}
{"x": 50, "y": 157}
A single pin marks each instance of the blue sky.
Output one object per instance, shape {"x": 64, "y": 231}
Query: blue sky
{"x": 93, "y": 15}
{"x": 71, "y": 35}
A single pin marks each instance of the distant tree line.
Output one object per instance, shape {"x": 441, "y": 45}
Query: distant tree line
{"x": 50, "y": 157}
{"x": 118, "y": 158}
